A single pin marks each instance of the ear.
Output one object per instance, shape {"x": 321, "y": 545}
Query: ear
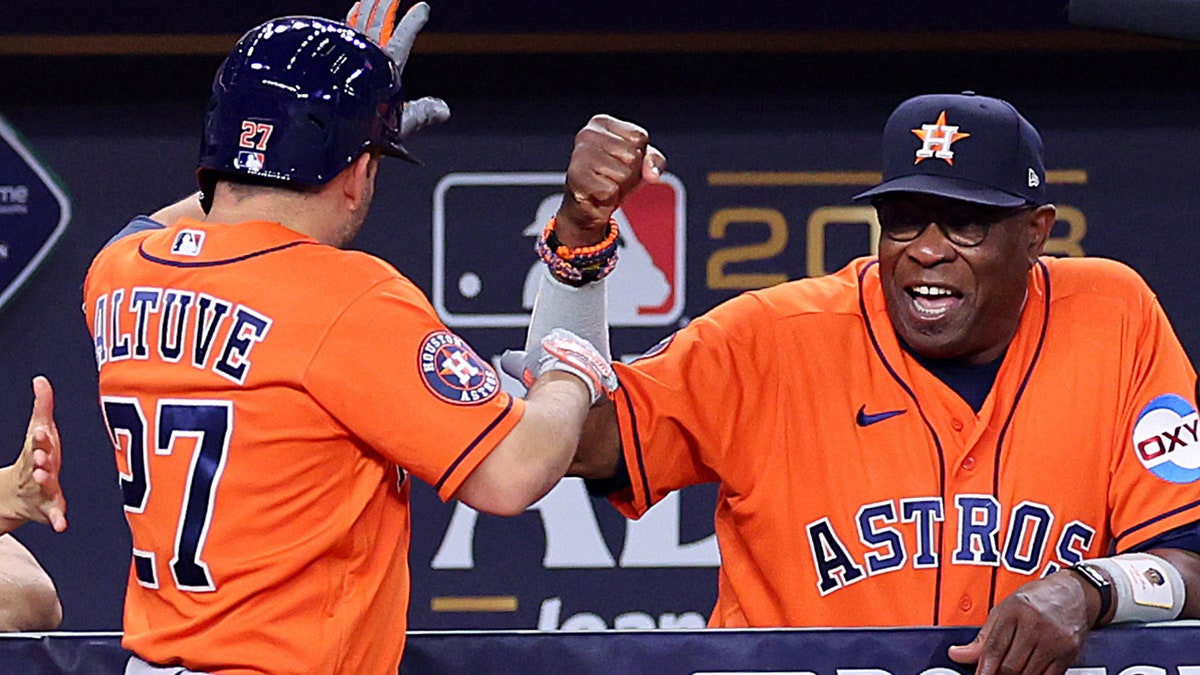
{"x": 360, "y": 180}
{"x": 1039, "y": 230}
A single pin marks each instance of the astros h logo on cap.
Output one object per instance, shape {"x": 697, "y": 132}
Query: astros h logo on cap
{"x": 936, "y": 140}
{"x": 989, "y": 153}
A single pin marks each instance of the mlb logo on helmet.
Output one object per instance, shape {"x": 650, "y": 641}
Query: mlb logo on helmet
{"x": 34, "y": 213}
{"x": 488, "y": 276}
{"x": 962, "y": 146}
{"x": 251, "y": 162}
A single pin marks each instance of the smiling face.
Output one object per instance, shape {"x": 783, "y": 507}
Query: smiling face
{"x": 948, "y": 300}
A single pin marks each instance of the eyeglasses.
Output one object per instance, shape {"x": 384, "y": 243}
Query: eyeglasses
{"x": 962, "y": 223}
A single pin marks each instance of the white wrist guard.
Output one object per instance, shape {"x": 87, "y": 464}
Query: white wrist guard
{"x": 1146, "y": 587}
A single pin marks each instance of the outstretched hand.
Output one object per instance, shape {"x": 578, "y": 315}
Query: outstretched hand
{"x": 1038, "y": 630}
{"x": 377, "y": 20}
{"x": 610, "y": 160}
{"x": 30, "y": 488}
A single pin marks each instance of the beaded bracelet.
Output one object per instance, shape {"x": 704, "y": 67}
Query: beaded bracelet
{"x": 582, "y": 265}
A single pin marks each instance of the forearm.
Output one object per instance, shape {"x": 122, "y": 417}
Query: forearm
{"x": 11, "y": 513}
{"x": 1188, "y": 564}
{"x": 600, "y": 444}
{"x": 1045, "y": 622}
{"x": 188, "y": 207}
{"x": 1155, "y": 585}
{"x": 535, "y": 455}
{"x": 28, "y": 599}
{"x": 583, "y": 310}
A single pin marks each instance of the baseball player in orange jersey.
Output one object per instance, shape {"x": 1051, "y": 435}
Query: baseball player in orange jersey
{"x": 918, "y": 437}
{"x": 270, "y": 395}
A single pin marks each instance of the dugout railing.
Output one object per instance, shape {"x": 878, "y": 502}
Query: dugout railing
{"x": 1165, "y": 649}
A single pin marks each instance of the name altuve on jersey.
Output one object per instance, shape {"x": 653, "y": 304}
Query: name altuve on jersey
{"x": 192, "y": 327}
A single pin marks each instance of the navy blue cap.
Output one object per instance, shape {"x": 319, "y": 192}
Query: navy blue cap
{"x": 962, "y": 146}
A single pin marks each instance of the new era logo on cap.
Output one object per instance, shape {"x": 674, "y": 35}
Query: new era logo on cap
{"x": 989, "y": 153}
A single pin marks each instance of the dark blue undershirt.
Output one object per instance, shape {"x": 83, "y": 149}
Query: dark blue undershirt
{"x": 971, "y": 381}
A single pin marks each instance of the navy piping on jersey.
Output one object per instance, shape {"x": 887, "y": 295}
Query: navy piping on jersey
{"x": 1012, "y": 410}
{"x": 471, "y": 448}
{"x": 1186, "y": 537}
{"x": 1153, "y": 520}
{"x": 637, "y": 447}
{"x": 862, "y": 306}
{"x": 215, "y": 263}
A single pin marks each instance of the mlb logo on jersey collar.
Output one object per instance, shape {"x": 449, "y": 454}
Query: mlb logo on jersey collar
{"x": 188, "y": 242}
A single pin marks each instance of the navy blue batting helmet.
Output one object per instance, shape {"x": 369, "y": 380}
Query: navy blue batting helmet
{"x": 296, "y": 101}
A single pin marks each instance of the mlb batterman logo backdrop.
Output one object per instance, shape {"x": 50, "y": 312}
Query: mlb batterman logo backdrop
{"x": 477, "y": 215}
{"x": 34, "y": 213}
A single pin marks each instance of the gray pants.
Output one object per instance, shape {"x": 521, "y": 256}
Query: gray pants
{"x": 137, "y": 666}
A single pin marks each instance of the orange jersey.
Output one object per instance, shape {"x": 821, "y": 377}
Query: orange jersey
{"x": 857, "y": 489}
{"x": 262, "y": 391}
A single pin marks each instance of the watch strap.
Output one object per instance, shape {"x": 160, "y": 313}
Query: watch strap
{"x": 1092, "y": 575}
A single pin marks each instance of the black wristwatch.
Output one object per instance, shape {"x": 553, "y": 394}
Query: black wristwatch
{"x": 1093, "y": 576}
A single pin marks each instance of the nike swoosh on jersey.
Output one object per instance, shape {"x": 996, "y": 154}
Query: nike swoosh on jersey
{"x": 866, "y": 419}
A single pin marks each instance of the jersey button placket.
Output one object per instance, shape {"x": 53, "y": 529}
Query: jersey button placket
{"x": 968, "y": 464}
{"x": 956, "y": 424}
{"x": 965, "y": 603}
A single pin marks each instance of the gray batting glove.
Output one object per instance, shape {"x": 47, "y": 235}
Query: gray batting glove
{"x": 377, "y": 20}
{"x": 565, "y": 351}
{"x": 421, "y": 113}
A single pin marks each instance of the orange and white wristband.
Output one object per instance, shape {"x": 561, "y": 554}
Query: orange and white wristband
{"x": 578, "y": 266}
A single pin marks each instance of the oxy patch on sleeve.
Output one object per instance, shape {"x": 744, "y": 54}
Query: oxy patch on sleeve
{"x": 1166, "y": 439}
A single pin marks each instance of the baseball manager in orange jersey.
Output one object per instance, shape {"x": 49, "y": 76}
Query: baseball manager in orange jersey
{"x": 958, "y": 431}
{"x": 270, "y": 395}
